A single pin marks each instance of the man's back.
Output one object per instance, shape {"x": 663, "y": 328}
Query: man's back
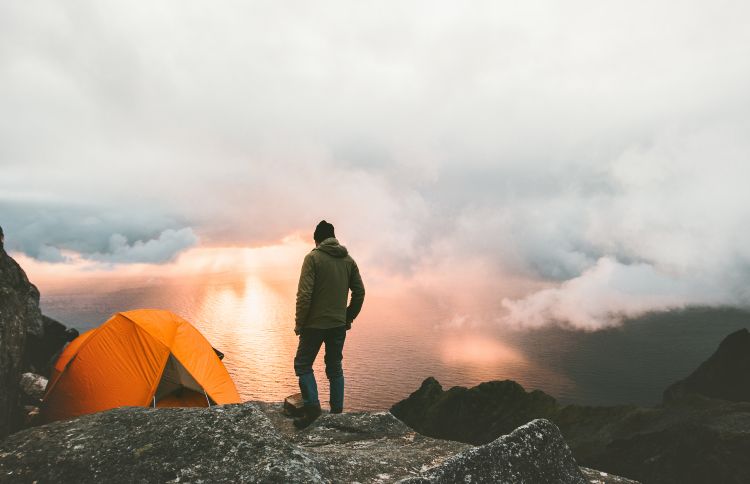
{"x": 328, "y": 273}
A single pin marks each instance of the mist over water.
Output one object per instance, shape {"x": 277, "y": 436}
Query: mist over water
{"x": 399, "y": 341}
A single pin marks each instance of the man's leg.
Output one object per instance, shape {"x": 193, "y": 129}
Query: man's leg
{"x": 310, "y": 340}
{"x": 334, "y": 340}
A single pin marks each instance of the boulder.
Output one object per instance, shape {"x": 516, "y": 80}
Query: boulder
{"x": 20, "y": 316}
{"x": 254, "y": 442}
{"x": 32, "y": 388}
{"x": 132, "y": 444}
{"x": 535, "y": 452}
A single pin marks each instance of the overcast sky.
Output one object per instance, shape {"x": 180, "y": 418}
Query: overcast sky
{"x": 599, "y": 150}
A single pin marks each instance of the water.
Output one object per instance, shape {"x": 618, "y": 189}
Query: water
{"x": 396, "y": 342}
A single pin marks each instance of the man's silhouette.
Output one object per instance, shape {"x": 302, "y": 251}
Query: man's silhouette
{"x": 323, "y": 317}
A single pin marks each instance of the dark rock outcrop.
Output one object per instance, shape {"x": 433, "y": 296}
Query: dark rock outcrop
{"x": 29, "y": 341}
{"x": 42, "y": 350}
{"x": 20, "y": 316}
{"x": 725, "y": 375}
{"x": 690, "y": 439}
{"x": 694, "y": 445}
{"x": 254, "y": 442}
{"x": 474, "y": 415}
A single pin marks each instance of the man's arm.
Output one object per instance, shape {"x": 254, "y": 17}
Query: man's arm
{"x": 358, "y": 295}
{"x": 304, "y": 292}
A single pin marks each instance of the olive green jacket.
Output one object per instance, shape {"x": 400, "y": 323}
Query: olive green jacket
{"x": 328, "y": 273}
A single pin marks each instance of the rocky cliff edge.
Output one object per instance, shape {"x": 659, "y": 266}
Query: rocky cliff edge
{"x": 254, "y": 442}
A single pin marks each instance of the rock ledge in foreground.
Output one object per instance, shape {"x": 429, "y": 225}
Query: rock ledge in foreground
{"x": 254, "y": 443}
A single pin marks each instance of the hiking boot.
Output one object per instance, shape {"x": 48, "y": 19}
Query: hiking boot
{"x": 336, "y": 410}
{"x": 312, "y": 412}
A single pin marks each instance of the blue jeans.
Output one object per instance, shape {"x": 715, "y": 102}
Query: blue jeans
{"x": 310, "y": 341}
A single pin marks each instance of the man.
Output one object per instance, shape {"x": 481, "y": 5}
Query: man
{"x": 323, "y": 317}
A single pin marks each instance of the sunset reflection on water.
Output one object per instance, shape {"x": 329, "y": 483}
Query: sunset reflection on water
{"x": 251, "y": 322}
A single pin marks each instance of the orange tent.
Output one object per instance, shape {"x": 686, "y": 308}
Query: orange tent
{"x": 146, "y": 357}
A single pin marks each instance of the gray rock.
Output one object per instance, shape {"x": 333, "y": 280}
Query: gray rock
{"x": 235, "y": 443}
{"x": 254, "y": 442}
{"x": 535, "y": 452}
{"x": 598, "y": 477}
{"x": 19, "y": 316}
{"x": 32, "y": 387}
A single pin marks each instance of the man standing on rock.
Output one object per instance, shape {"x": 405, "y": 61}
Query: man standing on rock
{"x": 328, "y": 273}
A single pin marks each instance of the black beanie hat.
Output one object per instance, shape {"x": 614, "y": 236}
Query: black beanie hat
{"x": 323, "y": 231}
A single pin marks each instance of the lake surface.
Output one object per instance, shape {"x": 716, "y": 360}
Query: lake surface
{"x": 396, "y": 343}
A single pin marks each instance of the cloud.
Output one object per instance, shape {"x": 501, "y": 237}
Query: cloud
{"x": 164, "y": 248}
{"x": 49, "y": 229}
{"x": 514, "y": 148}
{"x": 606, "y": 294}
{"x": 666, "y": 229}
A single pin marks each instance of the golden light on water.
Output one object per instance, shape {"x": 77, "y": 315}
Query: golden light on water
{"x": 474, "y": 350}
{"x": 248, "y": 302}
{"x": 251, "y": 321}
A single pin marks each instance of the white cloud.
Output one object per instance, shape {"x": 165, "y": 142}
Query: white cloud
{"x": 608, "y": 293}
{"x": 164, "y": 248}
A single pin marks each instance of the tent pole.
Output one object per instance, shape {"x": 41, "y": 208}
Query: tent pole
{"x": 154, "y": 400}
{"x": 207, "y": 400}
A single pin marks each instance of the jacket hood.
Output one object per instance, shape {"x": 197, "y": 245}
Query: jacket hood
{"x": 332, "y": 247}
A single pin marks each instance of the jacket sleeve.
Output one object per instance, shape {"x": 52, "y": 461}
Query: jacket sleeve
{"x": 358, "y": 294}
{"x": 305, "y": 291}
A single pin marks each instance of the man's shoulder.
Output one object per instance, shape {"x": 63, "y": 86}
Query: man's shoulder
{"x": 350, "y": 260}
{"x": 309, "y": 258}
{"x": 316, "y": 254}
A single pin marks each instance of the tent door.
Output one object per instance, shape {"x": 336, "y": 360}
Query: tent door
{"x": 178, "y": 387}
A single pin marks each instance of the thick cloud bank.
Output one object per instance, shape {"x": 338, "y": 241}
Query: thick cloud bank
{"x": 673, "y": 232}
{"x": 48, "y": 229}
{"x": 573, "y": 163}
{"x": 606, "y": 294}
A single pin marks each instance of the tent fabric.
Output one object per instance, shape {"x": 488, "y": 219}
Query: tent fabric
{"x": 125, "y": 360}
